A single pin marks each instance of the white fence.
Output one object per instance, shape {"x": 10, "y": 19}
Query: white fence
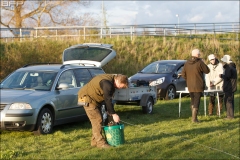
{"x": 83, "y": 32}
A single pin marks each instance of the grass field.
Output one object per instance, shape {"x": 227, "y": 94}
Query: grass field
{"x": 161, "y": 135}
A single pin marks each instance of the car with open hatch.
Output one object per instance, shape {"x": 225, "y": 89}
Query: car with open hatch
{"x": 37, "y": 97}
{"x": 164, "y": 74}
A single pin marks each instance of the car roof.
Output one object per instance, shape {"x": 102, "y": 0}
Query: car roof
{"x": 171, "y": 61}
{"x": 52, "y": 67}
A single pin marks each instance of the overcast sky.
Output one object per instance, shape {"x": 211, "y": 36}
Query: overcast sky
{"x": 164, "y": 12}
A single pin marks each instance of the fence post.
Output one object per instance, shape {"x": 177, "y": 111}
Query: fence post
{"x": 131, "y": 32}
{"x": 101, "y": 32}
{"x": 175, "y": 30}
{"x": 236, "y": 36}
{"x": 36, "y": 33}
{"x": 56, "y": 34}
{"x": 84, "y": 33}
{"x": 20, "y": 34}
{"x": 214, "y": 30}
{"x": 155, "y": 30}
{"x": 110, "y": 32}
{"x": 195, "y": 28}
{"x": 79, "y": 37}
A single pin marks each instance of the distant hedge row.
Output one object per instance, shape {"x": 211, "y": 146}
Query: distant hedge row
{"x": 132, "y": 55}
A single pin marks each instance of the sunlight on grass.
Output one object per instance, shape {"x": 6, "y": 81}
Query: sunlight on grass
{"x": 161, "y": 135}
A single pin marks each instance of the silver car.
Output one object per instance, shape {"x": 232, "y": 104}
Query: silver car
{"x": 37, "y": 97}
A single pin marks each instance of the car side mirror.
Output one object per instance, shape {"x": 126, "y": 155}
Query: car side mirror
{"x": 175, "y": 75}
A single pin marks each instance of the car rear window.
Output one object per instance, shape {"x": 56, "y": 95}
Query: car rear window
{"x": 86, "y": 53}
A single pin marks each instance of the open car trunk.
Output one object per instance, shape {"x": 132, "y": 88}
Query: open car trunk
{"x": 89, "y": 54}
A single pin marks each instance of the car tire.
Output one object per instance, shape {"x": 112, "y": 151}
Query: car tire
{"x": 170, "y": 93}
{"x": 148, "y": 109}
{"x": 44, "y": 122}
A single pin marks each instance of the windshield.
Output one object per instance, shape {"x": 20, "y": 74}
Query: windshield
{"x": 154, "y": 68}
{"x": 29, "y": 80}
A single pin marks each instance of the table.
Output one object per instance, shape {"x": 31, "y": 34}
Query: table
{"x": 205, "y": 93}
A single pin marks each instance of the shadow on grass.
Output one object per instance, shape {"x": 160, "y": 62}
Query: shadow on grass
{"x": 162, "y": 111}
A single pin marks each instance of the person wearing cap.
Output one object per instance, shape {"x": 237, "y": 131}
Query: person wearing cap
{"x": 213, "y": 81}
{"x": 98, "y": 90}
{"x": 229, "y": 84}
{"x": 193, "y": 72}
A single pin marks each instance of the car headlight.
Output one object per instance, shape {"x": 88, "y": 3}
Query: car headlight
{"x": 20, "y": 106}
{"x": 157, "y": 81}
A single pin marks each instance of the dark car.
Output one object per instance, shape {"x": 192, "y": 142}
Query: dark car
{"x": 165, "y": 74}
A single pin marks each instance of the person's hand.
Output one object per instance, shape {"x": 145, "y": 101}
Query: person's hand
{"x": 116, "y": 118}
{"x": 211, "y": 84}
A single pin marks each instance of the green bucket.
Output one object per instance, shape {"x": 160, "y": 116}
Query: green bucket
{"x": 114, "y": 134}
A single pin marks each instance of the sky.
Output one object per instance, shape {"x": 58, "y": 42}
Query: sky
{"x": 164, "y": 12}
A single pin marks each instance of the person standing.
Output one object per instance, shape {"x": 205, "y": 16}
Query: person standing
{"x": 193, "y": 72}
{"x": 213, "y": 81}
{"x": 101, "y": 89}
{"x": 229, "y": 84}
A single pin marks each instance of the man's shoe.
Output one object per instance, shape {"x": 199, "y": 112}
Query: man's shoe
{"x": 194, "y": 115}
{"x": 104, "y": 146}
{"x": 195, "y": 121}
{"x": 228, "y": 118}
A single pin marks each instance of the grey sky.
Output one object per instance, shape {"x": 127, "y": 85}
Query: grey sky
{"x": 164, "y": 12}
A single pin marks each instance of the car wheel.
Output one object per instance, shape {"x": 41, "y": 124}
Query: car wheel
{"x": 149, "y": 106}
{"x": 171, "y": 93}
{"x": 44, "y": 122}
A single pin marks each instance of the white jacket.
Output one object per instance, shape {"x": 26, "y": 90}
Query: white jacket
{"x": 213, "y": 75}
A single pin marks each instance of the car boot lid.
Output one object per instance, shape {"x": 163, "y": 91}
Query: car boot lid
{"x": 89, "y": 54}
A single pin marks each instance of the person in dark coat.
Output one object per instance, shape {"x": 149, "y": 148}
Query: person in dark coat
{"x": 193, "y": 72}
{"x": 229, "y": 85}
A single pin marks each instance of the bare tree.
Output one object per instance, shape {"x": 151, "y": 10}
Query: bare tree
{"x": 26, "y": 13}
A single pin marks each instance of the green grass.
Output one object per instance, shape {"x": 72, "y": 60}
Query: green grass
{"x": 161, "y": 135}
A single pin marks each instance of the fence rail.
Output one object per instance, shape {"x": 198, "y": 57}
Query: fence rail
{"x": 83, "y": 32}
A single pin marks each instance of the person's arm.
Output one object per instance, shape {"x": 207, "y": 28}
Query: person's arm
{"x": 207, "y": 79}
{"x": 219, "y": 70}
{"x": 227, "y": 75}
{"x": 183, "y": 73}
{"x": 108, "y": 90}
{"x": 205, "y": 69}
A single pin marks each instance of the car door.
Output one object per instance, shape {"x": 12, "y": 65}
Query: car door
{"x": 66, "y": 99}
{"x": 83, "y": 76}
{"x": 180, "y": 83}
